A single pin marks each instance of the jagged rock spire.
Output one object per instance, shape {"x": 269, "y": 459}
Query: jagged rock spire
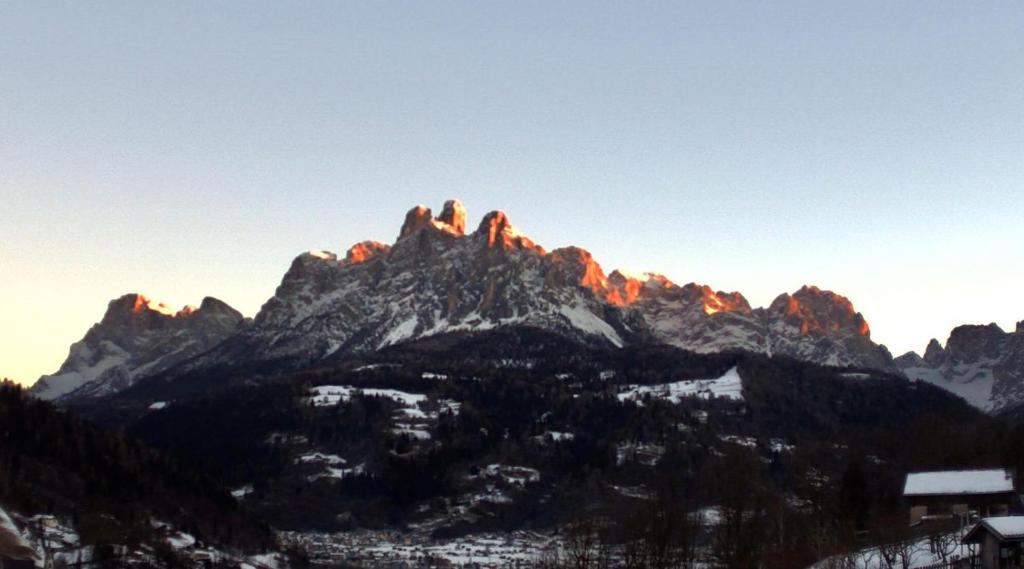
{"x": 452, "y": 219}
{"x": 454, "y": 215}
{"x": 417, "y": 218}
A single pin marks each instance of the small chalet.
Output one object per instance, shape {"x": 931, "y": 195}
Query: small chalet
{"x": 950, "y": 494}
{"x": 1000, "y": 540}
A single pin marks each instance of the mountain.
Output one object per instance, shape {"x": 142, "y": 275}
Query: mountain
{"x": 436, "y": 278}
{"x": 810, "y": 324}
{"x": 137, "y": 337}
{"x": 982, "y": 364}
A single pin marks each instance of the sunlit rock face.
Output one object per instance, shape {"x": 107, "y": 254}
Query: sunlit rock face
{"x": 137, "y": 337}
{"x": 822, "y": 326}
{"x": 365, "y": 251}
{"x": 982, "y": 364}
{"x": 437, "y": 278}
{"x": 454, "y": 216}
{"x": 810, "y": 324}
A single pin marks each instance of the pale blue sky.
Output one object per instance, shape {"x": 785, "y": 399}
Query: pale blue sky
{"x": 186, "y": 149}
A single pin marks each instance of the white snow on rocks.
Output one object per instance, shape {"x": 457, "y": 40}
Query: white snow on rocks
{"x": 972, "y": 381}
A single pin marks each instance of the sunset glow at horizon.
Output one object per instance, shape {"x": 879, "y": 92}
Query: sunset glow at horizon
{"x": 192, "y": 150}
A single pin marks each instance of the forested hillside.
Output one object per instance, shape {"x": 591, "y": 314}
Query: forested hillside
{"x": 110, "y": 487}
{"x": 518, "y": 428}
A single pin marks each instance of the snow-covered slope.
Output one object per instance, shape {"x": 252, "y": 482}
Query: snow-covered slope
{"x": 982, "y": 364}
{"x": 729, "y": 386}
{"x": 437, "y": 278}
{"x": 135, "y": 338}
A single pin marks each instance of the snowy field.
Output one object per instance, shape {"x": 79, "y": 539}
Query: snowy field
{"x": 729, "y": 386}
{"x": 919, "y": 553}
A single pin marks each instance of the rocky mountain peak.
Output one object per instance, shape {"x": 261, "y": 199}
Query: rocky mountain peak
{"x": 975, "y": 342}
{"x": 580, "y": 267}
{"x": 909, "y": 359}
{"x": 136, "y": 303}
{"x": 364, "y": 251}
{"x": 454, "y": 216}
{"x": 435, "y": 279}
{"x": 624, "y": 288}
{"x": 981, "y": 363}
{"x": 712, "y": 301}
{"x": 451, "y": 221}
{"x": 134, "y": 311}
{"x": 415, "y": 219}
{"x": 497, "y": 232}
{"x": 211, "y": 306}
{"x": 137, "y": 335}
{"x": 815, "y": 310}
{"x": 933, "y": 353}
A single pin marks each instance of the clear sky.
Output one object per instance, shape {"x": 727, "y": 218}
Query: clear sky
{"x": 189, "y": 149}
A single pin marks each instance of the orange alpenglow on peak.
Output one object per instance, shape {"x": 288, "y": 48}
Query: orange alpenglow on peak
{"x": 454, "y": 216}
{"x": 136, "y": 303}
{"x": 494, "y": 224}
{"x": 417, "y": 218}
{"x": 625, "y": 286}
{"x": 624, "y": 289}
{"x": 814, "y": 309}
{"x": 452, "y": 219}
{"x": 863, "y": 329}
{"x": 498, "y": 230}
{"x": 364, "y": 251}
{"x": 583, "y": 267}
{"x": 141, "y": 302}
{"x": 715, "y": 302}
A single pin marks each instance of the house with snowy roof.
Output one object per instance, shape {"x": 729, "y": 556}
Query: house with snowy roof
{"x": 950, "y": 494}
{"x": 1000, "y": 540}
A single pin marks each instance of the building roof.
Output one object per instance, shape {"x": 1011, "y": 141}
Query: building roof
{"x": 959, "y": 482}
{"x": 1006, "y": 528}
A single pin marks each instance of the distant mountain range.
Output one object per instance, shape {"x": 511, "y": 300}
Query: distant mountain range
{"x": 982, "y": 364}
{"x": 436, "y": 278}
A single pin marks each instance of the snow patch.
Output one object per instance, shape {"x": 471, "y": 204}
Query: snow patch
{"x": 583, "y": 319}
{"x": 729, "y": 386}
